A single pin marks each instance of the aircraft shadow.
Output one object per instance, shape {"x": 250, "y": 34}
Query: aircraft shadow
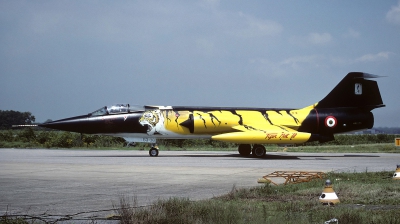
{"x": 145, "y": 155}
{"x": 237, "y": 156}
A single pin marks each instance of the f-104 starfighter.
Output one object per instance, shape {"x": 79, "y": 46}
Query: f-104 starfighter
{"x": 346, "y": 108}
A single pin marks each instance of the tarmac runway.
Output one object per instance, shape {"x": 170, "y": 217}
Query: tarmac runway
{"x": 87, "y": 183}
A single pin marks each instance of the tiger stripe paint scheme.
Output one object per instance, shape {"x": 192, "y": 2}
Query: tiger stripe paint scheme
{"x": 346, "y": 108}
{"x": 263, "y": 126}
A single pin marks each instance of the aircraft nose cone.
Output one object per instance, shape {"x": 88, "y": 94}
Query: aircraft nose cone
{"x": 60, "y": 125}
{"x": 74, "y": 124}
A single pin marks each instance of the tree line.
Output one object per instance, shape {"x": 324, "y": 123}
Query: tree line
{"x": 11, "y": 117}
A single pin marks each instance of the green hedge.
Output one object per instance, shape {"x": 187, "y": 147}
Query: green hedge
{"x": 56, "y": 139}
{"x": 344, "y": 139}
{"x": 29, "y": 137}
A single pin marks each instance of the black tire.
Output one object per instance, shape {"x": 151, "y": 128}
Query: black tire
{"x": 244, "y": 149}
{"x": 258, "y": 151}
{"x": 153, "y": 152}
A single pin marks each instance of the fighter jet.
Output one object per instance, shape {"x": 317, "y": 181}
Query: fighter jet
{"x": 346, "y": 108}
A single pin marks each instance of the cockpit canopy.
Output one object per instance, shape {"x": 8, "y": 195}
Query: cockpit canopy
{"x": 116, "y": 109}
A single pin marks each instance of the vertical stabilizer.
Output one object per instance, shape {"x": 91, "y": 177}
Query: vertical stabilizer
{"x": 355, "y": 90}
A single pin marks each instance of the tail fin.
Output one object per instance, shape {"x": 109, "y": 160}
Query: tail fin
{"x": 355, "y": 90}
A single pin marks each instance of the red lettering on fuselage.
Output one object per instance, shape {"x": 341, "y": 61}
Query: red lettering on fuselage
{"x": 271, "y": 135}
{"x": 284, "y": 135}
{"x": 293, "y": 136}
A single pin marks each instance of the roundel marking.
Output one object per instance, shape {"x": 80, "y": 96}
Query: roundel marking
{"x": 330, "y": 121}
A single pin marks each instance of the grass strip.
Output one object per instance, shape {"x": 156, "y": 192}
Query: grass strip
{"x": 368, "y": 197}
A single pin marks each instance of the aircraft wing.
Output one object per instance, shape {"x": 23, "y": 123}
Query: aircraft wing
{"x": 263, "y": 134}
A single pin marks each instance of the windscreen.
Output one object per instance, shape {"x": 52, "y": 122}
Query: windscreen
{"x": 100, "y": 112}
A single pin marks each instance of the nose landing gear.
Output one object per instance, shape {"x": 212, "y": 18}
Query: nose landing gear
{"x": 154, "y": 150}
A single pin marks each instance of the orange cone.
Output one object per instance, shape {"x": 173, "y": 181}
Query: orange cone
{"x": 328, "y": 196}
{"x": 396, "y": 175}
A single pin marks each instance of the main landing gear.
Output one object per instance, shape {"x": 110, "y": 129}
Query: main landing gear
{"x": 244, "y": 150}
{"x": 257, "y": 150}
{"x": 154, "y": 150}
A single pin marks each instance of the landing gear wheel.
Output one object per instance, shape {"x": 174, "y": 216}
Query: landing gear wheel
{"x": 258, "y": 151}
{"x": 244, "y": 149}
{"x": 153, "y": 152}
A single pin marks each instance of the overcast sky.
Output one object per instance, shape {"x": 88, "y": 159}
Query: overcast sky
{"x": 65, "y": 58}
